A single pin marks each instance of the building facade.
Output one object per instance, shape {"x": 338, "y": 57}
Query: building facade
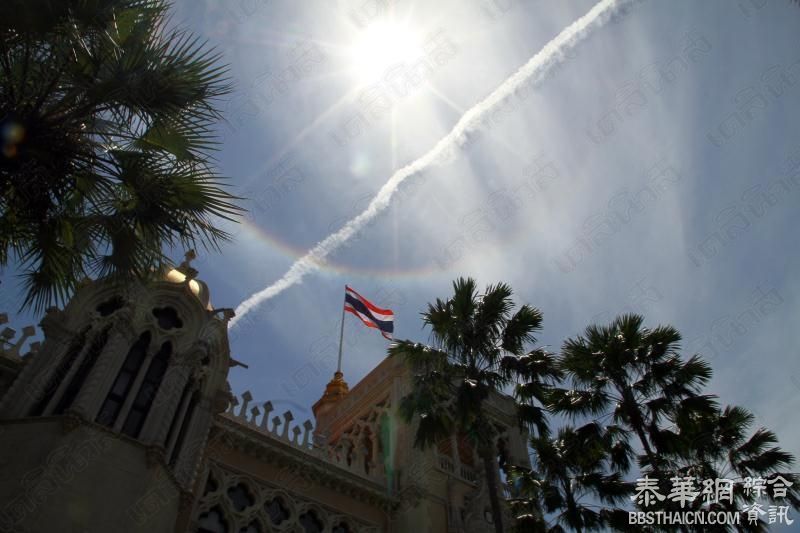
{"x": 121, "y": 419}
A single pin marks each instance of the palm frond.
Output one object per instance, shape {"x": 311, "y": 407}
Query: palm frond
{"x": 118, "y": 109}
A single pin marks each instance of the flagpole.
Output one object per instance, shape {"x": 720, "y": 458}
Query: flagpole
{"x": 341, "y": 337}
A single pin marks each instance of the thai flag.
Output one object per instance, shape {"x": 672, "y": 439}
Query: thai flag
{"x": 371, "y": 315}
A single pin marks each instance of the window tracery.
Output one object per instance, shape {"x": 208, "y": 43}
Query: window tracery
{"x": 240, "y": 497}
{"x": 85, "y": 366}
{"x": 184, "y": 428}
{"x": 167, "y": 318}
{"x": 122, "y": 385}
{"x": 252, "y": 527}
{"x": 242, "y": 504}
{"x": 277, "y": 511}
{"x": 111, "y": 305}
{"x": 212, "y": 521}
{"x": 310, "y": 522}
{"x": 147, "y": 391}
{"x": 46, "y": 393}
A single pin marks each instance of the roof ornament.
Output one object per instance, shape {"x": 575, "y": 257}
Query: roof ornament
{"x": 227, "y": 313}
{"x": 186, "y": 268}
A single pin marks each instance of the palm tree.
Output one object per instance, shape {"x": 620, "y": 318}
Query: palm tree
{"x": 636, "y": 376}
{"x": 716, "y": 446}
{"x": 537, "y": 373}
{"x": 476, "y": 349}
{"x": 106, "y": 118}
{"x": 571, "y": 475}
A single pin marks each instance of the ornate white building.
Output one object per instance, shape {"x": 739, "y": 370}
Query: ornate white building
{"x": 121, "y": 420}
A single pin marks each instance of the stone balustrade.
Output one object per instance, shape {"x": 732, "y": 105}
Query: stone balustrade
{"x": 258, "y": 416}
{"x": 446, "y": 465}
{"x": 13, "y": 348}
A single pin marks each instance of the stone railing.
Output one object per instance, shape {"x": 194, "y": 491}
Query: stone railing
{"x": 468, "y": 474}
{"x": 11, "y": 348}
{"x": 448, "y": 466}
{"x": 279, "y": 427}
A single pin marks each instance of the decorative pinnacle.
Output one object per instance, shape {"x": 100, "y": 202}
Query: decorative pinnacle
{"x": 186, "y": 268}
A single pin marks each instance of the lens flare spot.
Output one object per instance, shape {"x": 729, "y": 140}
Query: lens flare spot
{"x": 382, "y": 45}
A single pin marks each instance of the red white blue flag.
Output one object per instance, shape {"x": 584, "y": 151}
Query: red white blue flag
{"x": 371, "y": 315}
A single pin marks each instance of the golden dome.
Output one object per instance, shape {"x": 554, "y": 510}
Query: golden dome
{"x": 196, "y": 286}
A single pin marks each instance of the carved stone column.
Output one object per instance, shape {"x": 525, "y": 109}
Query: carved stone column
{"x": 194, "y": 443}
{"x": 56, "y": 397}
{"x": 134, "y": 390}
{"x": 101, "y": 377}
{"x": 166, "y": 403}
{"x": 182, "y": 409}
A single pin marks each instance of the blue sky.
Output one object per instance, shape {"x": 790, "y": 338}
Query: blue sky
{"x": 555, "y": 168}
{"x": 607, "y": 186}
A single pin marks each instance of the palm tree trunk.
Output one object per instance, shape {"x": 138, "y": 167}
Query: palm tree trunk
{"x": 572, "y": 507}
{"x": 491, "y": 484}
{"x": 637, "y": 422}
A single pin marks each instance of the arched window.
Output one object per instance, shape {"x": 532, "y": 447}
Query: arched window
{"x": 187, "y": 419}
{"x": 277, "y": 511}
{"x": 167, "y": 318}
{"x": 211, "y": 485}
{"x": 341, "y": 527}
{"x": 122, "y": 385}
{"x": 147, "y": 391}
{"x": 310, "y": 522}
{"x": 45, "y": 393}
{"x": 253, "y": 527}
{"x": 212, "y": 521}
{"x": 240, "y": 497}
{"x": 75, "y": 384}
{"x": 110, "y": 306}
{"x": 181, "y": 409}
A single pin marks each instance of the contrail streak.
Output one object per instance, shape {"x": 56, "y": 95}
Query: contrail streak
{"x": 551, "y": 55}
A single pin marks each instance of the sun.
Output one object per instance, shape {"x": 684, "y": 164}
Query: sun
{"x": 381, "y": 46}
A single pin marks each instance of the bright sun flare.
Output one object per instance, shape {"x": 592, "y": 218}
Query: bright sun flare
{"x": 381, "y": 46}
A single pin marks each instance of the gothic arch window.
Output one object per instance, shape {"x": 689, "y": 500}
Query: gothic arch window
{"x": 253, "y": 527}
{"x": 76, "y": 383}
{"x": 211, "y": 485}
{"x": 310, "y": 522}
{"x": 366, "y": 443}
{"x": 277, "y": 511}
{"x": 212, "y": 521}
{"x": 263, "y": 507}
{"x": 182, "y": 411}
{"x": 167, "y": 318}
{"x": 187, "y": 419}
{"x": 240, "y": 497}
{"x": 147, "y": 391}
{"x": 45, "y": 394}
{"x": 349, "y": 450}
{"x": 122, "y": 385}
{"x": 109, "y": 306}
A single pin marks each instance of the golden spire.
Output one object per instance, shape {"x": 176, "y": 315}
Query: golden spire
{"x": 336, "y": 391}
